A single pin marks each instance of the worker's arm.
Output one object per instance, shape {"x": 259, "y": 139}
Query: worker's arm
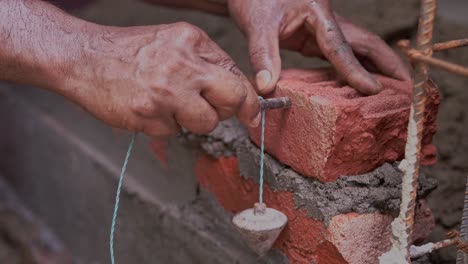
{"x": 153, "y": 79}
{"x": 311, "y": 28}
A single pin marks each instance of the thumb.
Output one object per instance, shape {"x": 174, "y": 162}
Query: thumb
{"x": 265, "y": 59}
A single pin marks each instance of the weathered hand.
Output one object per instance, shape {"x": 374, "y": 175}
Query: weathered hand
{"x": 311, "y": 28}
{"x": 157, "y": 79}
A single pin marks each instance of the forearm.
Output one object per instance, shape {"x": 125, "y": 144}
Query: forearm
{"x": 218, "y": 7}
{"x": 39, "y": 43}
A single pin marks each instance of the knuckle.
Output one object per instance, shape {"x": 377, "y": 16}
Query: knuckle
{"x": 239, "y": 95}
{"x": 258, "y": 53}
{"x": 337, "y": 50}
{"x": 183, "y": 69}
{"x": 228, "y": 64}
{"x": 210, "y": 124}
{"x": 184, "y": 25}
{"x": 188, "y": 31}
{"x": 144, "y": 107}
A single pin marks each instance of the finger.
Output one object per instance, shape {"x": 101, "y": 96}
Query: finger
{"x": 249, "y": 112}
{"x": 153, "y": 117}
{"x": 384, "y": 58}
{"x": 230, "y": 94}
{"x": 335, "y": 48}
{"x": 372, "y": 47}
{"x": 227, "y": 89}
{"x": 265, "y": 58}
{"x": 223, "y": 90}
{"x": 196, "y": 114}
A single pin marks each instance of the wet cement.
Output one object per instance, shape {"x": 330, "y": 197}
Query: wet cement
{"x": 222, "y": 141}
{"x": 376, "y": 191}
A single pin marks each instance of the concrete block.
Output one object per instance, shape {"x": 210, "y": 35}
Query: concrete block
{"x": 333, "y": 130}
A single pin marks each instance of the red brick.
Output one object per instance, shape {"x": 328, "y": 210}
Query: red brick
{"x": 331, "y": 131}
{"x": 302, "y": 237}
{"x": 349, "y": 238}
{"x": 362, "y": 238}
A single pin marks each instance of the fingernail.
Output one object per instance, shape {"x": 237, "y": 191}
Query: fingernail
{"x": 375, "y": 86}
{"x": 379, "y": 86}
{"x": 256, "y": 121}
{"x": 263, "y": 80}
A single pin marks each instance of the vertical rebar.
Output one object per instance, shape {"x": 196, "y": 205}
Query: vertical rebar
{"x": 462, "y": 257}
{"x": 402, "y": 226}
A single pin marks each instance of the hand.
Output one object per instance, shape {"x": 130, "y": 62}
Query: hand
{"x": 311, "y": 28}
{"x": 157, "y": 79}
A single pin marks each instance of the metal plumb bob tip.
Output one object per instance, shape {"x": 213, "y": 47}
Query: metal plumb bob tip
{"x": 275, "y": 103}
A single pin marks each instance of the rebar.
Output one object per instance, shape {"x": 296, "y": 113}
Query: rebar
{"x": 452, "y": 44}
{"x": 402, "y": 226}
{"x": 450, "y": 67}
{"x": 453, "y": 239}
{"x": 462, "y": 257}
{"x": 419, "y": 251}
{"x": 275, "y": 103}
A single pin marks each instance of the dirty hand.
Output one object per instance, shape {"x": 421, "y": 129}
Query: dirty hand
{"x": 311, "y": 28}
{"x": 156, "y": 79}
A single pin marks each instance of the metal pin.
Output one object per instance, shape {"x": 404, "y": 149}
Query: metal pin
{"x": 275, "y": 103}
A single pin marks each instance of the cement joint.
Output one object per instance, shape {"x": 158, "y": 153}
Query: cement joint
{"x": 376, "y": 191}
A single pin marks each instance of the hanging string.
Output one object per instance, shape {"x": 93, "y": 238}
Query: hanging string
{"x": 262, "y": 154}
{"x": 124, "y": 168}
{"x": 117, "y": 197}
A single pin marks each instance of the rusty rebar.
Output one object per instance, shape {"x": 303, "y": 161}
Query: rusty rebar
{"x": 453, "y": 239}
{"x": 419, "y": 251}
{"x": 451, "y": 44}
{"x": 275, "y": 103}
{"x": 462, "y": 257}
{"x": 441, "y": 46}
{"x": 448, "y": 66}
{"x": 415, "y": 55}
{"x": 402, "y": 226}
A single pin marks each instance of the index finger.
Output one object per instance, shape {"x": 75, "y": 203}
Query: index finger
{"x": 334, "y": 47}
{"x": 228, "y": 90}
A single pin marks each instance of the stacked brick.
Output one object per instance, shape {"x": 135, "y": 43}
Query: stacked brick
{"x": 330, "y": 131}
{"x": 333, "y": 130}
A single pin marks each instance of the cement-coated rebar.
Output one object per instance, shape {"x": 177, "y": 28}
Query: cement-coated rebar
{"x": 402, "y": 226}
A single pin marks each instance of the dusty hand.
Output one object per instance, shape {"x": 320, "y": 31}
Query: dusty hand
{"x": 157, "y": 79}
{"x": 311, "y": 28}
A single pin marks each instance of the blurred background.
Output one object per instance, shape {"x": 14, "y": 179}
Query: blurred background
{"x": 58, "y": 159}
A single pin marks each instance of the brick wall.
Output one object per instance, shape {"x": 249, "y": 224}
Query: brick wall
{"x": 180, "y": 194}
{"x": 333, "y": 218}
